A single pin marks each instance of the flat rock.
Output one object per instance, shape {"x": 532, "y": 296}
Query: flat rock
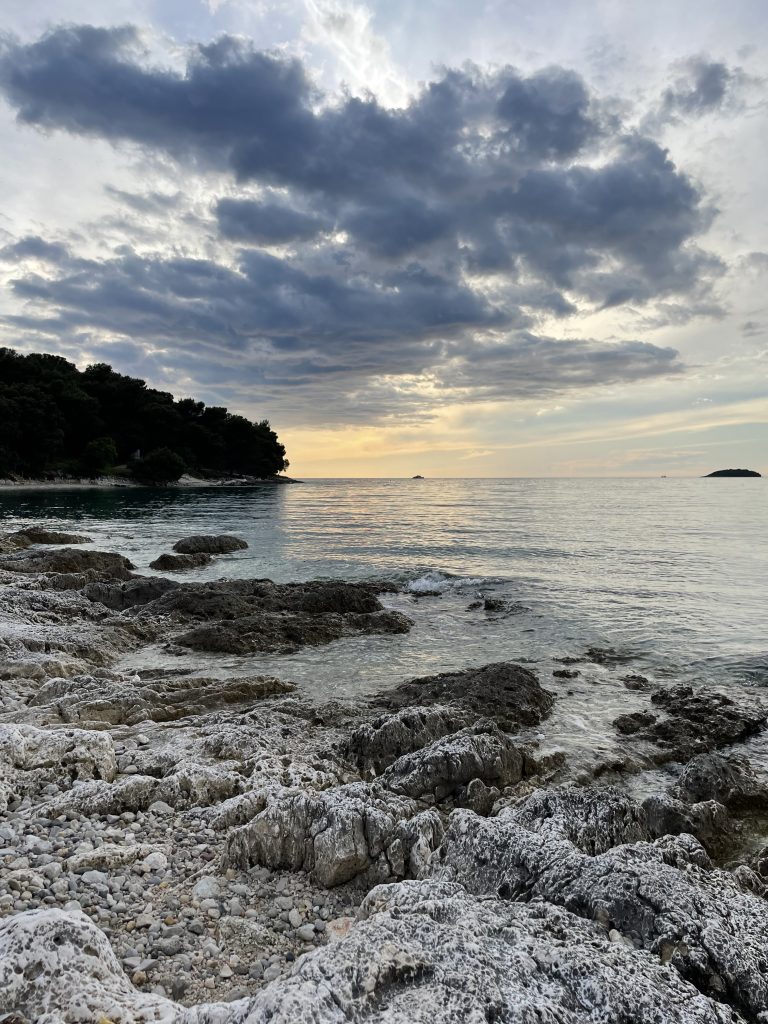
{"x": 177, "y": 563}
{"x": 67, "y": 560}
{"x": 40, "y": 535}
{"x": 218, "y": 544}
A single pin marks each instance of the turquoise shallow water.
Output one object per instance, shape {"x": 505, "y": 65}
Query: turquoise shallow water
{"x": 671, "y": 572}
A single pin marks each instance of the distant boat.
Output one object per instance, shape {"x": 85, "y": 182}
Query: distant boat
{"x": 663, "y": 476}
{"x": 417, "y": 477}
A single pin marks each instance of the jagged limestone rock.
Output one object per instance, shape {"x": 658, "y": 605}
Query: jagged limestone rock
{"x": 728, "y": 779}
{"x": 337, "y": 834}
{"x": 376, "y": 744}
{"x": 481, "y": 752}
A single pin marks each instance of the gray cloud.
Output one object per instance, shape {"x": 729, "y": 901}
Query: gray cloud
{"x": 246, "y": 220}
{"x": 428, "y": 239}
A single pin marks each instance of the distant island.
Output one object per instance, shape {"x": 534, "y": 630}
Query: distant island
{"x": 61, "y": 423}
{"x": 732, "y": 472}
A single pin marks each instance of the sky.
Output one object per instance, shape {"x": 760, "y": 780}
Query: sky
{"x": 505, "y": 238}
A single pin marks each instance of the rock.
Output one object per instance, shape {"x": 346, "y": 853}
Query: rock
{"x": 339, "y": 834}
{"x": 707, "y": 820}
{"x": 593, "y": 818}
{"x": 376, "y": 744}
{"x": 700, "y": 922}
{"x": 509, "y": 694}
{"x": 132, "y": 594}
{"x": 176, "y": 563}
{"x": 728, "y": 779}
{"x": 284, "y": 632}
{"x": 481, "y": 752}
{"x": 632, "y": 723}
{"x": 699, "y": 722}
{"x": 30, "y": 758}
{"x": 39, "y": 535}
{"x": 68, "y": 560}
{"x": 129, "y": 701}
{"x": 206, "y": 887}
{"x": 220, "y": 544}
{"x": 424, "y": 950}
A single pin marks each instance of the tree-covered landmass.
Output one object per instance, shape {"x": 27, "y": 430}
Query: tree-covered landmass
{"x": 56, "y": 419}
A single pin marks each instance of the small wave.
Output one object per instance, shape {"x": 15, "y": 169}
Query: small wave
{"x": 436, "y": 582}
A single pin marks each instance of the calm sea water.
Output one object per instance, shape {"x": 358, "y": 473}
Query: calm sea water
{"x": 671, "y": 573}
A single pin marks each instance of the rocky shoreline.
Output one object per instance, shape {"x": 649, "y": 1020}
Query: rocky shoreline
{"x": 193, "y": 849}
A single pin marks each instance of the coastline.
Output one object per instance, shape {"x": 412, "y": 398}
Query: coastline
{"x": 116, "y": 482}
{"x": 192, "y": 847}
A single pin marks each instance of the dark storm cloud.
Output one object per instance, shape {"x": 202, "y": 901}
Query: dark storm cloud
{"x": 246, "y": 220}
{"x": 422, "y": 238}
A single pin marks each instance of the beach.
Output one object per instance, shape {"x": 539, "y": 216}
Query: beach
{"x": 205, "y": 844}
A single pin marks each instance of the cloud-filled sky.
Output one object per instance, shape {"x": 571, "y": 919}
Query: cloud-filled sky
{"x": 487, "y": 239}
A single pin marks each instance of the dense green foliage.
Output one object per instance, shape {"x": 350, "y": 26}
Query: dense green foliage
{"x": 57, "y": 419}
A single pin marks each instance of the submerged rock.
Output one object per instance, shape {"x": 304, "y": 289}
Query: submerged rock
{"x": 219, "y": 544}
{"x": 700, "y": 721}
{"x": 176, "y": 563}
{"x": 509, "y": 694}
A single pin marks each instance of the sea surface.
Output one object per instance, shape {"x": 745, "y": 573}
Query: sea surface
{"x": 671, "y": 574}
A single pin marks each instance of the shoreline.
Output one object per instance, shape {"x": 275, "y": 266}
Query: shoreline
{"x": 187, "y": 848}
{"x": 118, "y": 483}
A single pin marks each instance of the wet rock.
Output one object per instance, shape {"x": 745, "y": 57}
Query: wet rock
{"x": 509, "y": 694}
{"x": 39, "y": 535}
{"x": 338, "y": 834}
{"x": 375, "y": 745}
{"x": 134, "y": 593}
{"x": 177, "y": 563}
{"x": 728, "y": 779}
{"x": 566, "y": 673}
{"x": 700, "y": 721}
{"x": 634, "y": 722}
{"x": 283, "y": 632}
{"x": 220, "y": 544}
{"x": 636, "y": 682}
{"x": 481, "y": 752}
{"x": 67, "y": 560}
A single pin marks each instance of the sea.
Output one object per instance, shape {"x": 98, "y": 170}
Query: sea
{"x": 668, "y": 575}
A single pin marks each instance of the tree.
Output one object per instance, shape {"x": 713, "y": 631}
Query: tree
{"x": 161, "y": 466}
{"x": 99, "y": 456}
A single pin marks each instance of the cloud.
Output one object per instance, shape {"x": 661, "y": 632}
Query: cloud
{"x": 424, "y": 242}
{"x": 247, "y": 220}
{"x": 702, "y": 86}
{"x": 36, "y": 248}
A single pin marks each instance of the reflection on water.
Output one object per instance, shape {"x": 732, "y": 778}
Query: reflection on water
{"x": 672, "y": 572}
{"x": 673, "y": 569}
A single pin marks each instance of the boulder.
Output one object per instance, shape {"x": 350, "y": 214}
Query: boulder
{"x": 449, "y": 764}
{"x": 338, "y": 834}
{"x": 376, "y": 744}
{"x": 728, "y": 779}
{"x": 219, "y": 544}
{"x": 509, "y": 694}
{"x": 177, "y": 563}
{"x": 136, "y": 592}
{"x": 31, "y": 758}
